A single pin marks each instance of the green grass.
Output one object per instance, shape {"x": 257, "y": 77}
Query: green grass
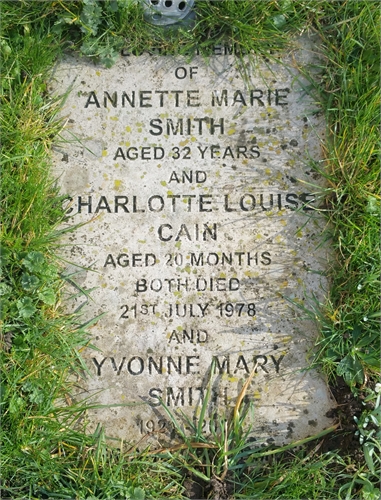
{"x": 45, "y": 452}
{"x": 352, "y": 105}
{"x": 297, "y": 476}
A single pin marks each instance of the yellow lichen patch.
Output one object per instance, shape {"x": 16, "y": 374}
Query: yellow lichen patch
{"x": 283, "y": 222}
{"x": 184, "y": 143}
{"x": 128, "y": 128}
{"x": 104, "y": 152}
{"x": 231, "y": 131}
{"x": 117, "y": 184}
{"x": 163, "y": 183}
{"x": 299, "y": 233}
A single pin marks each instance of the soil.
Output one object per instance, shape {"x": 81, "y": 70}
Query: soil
{"x": 214, "y": 490}
{"x": 343, "y": 441}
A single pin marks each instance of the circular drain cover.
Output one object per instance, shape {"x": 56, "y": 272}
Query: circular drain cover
{"x": 164, "y": 12}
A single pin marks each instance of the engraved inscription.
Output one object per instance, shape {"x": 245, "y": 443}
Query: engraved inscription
{"x": 198, "y": 239}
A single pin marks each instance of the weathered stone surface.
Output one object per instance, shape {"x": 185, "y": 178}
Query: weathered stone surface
{"x": 194, "y": 179}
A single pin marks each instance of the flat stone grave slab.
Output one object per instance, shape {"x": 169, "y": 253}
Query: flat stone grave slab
{"x": 202, "y": 239}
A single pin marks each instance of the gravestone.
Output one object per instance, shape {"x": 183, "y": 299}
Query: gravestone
{"x": 201, "y": 240}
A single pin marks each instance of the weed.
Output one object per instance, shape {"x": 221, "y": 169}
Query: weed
{"x": 222, "y": 458}
{"x": 369, "y": 429}
{"x": 212, "y": 457}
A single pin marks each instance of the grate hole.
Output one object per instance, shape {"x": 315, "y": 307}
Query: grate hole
{"x": 168, "y": 3}
{"x": 182, "y": 5}
{"x": 154, "y": 2}
{"x": 156, "y": 16}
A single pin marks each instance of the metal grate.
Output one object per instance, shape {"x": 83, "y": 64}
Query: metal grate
{"x": 165, "y": 12}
